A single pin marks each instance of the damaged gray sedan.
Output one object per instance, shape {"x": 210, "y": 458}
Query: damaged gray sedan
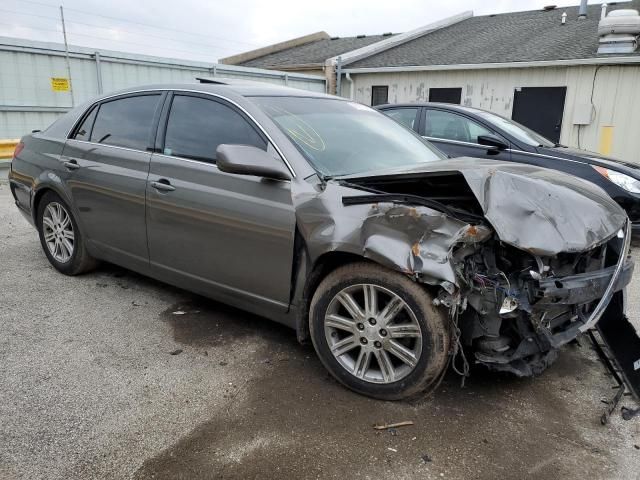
{"x": 331, "y": 218}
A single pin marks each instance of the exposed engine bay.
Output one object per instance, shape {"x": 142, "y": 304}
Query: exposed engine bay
{"x": 514, "y": 297}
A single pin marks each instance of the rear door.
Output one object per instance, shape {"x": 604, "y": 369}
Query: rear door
{"x": 107, "y": 163}
{"x": 223, "y": 235}
{"x": 457, "y": 135}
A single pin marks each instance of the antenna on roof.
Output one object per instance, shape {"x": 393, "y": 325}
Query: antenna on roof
{"x": 564, "y": 18}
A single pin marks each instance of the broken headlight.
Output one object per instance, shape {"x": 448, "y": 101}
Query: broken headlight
{"x": 625, "y": 182}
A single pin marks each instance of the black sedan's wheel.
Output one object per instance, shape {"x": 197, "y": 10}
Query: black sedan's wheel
{"x": 378, "y": 332}
{"x": 60, "y": 236}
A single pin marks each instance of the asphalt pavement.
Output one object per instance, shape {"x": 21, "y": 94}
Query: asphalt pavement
{"x": 112, "y": 375}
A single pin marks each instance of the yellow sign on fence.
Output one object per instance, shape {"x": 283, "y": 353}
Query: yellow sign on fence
{"x": 59, "y": 84}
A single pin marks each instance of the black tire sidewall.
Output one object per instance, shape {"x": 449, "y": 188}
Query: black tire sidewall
{"x": 429, "y": 366}
{"x": 72, "y": 266}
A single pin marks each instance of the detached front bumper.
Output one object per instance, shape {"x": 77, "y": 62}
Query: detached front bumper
{"x": 588, "y": 287}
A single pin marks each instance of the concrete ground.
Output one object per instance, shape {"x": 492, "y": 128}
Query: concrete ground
{"x": 100, "y": 379}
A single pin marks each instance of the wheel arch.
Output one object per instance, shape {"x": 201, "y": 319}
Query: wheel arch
{"x": 316, "y": 272}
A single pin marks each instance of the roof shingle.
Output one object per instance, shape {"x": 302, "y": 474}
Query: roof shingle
{"x": 509, "y": 37}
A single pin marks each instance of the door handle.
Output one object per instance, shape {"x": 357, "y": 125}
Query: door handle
{"x": 71, "y": 165}
{"x": 163, "y": 185}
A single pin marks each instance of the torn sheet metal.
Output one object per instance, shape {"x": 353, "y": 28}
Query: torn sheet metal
{"x": 412, "y": 239}
{"x": 520, "y": 254}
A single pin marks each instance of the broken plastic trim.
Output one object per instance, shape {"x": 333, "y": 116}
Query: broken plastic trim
{"x": 604, "y": 301}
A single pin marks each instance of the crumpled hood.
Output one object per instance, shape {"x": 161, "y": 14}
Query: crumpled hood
{"x": 535, "y": 209}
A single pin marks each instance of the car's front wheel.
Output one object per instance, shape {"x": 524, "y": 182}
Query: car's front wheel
{"x": 61, "y": 239}
{"x": 378, "y": 332}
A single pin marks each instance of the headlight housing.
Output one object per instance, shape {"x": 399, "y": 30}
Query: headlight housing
{"x": 625, "y": 182}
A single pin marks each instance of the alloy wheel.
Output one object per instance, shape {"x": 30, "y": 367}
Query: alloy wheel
{"x": 58, "y": 232}
{"x": 373, "y": 333}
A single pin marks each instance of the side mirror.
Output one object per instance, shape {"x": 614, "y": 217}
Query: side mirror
{"x": 247, "y": 160}
{"x": 494, "y": 143}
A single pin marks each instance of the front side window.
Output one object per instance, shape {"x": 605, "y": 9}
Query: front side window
{"x": 125, "y": 122}
{"x": 522, "y": 133}
{"x": 451, "y": 126}
{"x": 340, "y": 138}
{"x": 196, "y": 126}
{"x": 405, "y": 116}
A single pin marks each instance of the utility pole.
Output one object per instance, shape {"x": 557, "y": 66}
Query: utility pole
{"x": 66, "y": 50}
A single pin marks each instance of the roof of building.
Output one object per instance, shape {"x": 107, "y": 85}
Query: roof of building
{"x": 315, "y": 52}
{"x": 536, "y": 35}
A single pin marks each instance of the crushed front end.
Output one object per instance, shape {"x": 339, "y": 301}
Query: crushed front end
{"x": 519, "y": 308}
{"x": 524, "y": 258}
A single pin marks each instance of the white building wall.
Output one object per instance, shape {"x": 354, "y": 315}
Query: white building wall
{"x": 616, "y": 97}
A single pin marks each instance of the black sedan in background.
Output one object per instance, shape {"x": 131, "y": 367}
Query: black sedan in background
{"x": 469, "y": 132}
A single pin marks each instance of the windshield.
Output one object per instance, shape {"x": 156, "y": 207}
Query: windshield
{"x": 521, "y": 132}
{"x": 341, "y": 138}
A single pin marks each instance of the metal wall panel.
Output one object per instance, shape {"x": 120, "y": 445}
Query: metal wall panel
{"x": 616, "y": 97}
{"x": 28, "y": 102}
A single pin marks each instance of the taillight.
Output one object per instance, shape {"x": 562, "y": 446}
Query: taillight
{"x": 18, "y": 149}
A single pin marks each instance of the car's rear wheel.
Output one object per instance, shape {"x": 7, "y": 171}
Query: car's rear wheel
{"x": 61, "y": 239}
{"x": 378, "y": 332}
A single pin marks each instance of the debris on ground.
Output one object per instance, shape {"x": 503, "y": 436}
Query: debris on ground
{"x": 222, "y": 364}
{"x": 393, "y": 431}
{"x": 426, "y": 458}
{"x": 392, "y": 449}
{"x": 176, "y": 352}
{"x": 393, "y": 425}
{"x": 179, "y": 312}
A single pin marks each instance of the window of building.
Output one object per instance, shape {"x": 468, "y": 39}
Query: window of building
{"x": 196, "y": 127}
{"x": 379, "y": 95}
{"x": 445, "y": 95}
{"x": 125, "y": 122}
{"x": 451, "y": 126}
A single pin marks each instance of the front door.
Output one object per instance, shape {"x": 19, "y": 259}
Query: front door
{"x": 457, "y": 135}
{"x": 541, "y": 109}
{"x": 106, "y": 163}
{"x": 226, "y": 236}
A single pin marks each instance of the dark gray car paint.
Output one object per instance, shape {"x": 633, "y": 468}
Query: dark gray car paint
{"x": 108, "y": 190}
{"x": 232, "y": 237}
{"x": 228, "y": 235}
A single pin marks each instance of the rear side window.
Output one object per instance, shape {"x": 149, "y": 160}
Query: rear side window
{"x": 196, "y": 126}
{"x": 84, "y": 130}
{"x": 405, "y": 116}
{"x": 125, "y": 122}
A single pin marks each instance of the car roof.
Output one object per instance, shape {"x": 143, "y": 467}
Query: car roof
{"x": 448, "y": 106}
{"x": 243, "y": 88}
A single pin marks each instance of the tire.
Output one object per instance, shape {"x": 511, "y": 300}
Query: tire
{"x": 418, "y": 326}
{"x": 51, "y": 206}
